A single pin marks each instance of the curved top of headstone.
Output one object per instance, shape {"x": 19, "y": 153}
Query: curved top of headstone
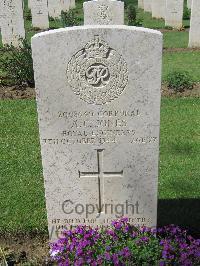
{"x": 87, "y": 27}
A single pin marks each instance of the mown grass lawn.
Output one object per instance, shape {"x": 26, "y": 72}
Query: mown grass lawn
{"x": 175, "y": 39}
{"x": 182, "y": 61}
{"x": 22, "y": 201}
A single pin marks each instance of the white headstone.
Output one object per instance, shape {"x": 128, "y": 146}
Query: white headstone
{"x": 141, "y": 4}
{"x": 12, "y": 22}
{"x": 39, "y": 11}
{"x": 55, "y": 8}
{"x": 174, "y": 13}
{"x": 194, "y": 34}
{"x": 98, "y": 101}
{"x": 158, "y": 8}
{"x": 189, "y": 3}
{"x": 147, "y": 5}
{"x": 66, "y": 5}
{"x": 30, "y": 3}
{"x": 103, "y": 12}
{"x": 72, "y": 4}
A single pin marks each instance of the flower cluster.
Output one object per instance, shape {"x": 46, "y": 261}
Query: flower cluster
{"x": 125, "y": 244}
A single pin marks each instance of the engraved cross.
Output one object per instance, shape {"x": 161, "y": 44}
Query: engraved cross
{"x": 100, "y": 175}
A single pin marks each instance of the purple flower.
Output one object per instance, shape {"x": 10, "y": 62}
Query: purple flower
{"x": 124, "y": 220}
{"x": 107, "y": 256}
{"x": 115, "y": 259}
{"x": 144, "y": 239}
{"x": 108, "y": 248}
{"x": 87, "y": 246}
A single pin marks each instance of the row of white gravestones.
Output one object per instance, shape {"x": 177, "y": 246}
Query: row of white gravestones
{"x": 99, "y": 109}
{"x": 170, "y": 10}
{"x": 42, "y": 9}
{"x": 11, "y": 21}
{"x": 194, "y": 34}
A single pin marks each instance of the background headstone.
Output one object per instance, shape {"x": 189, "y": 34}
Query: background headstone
{"x": 55, "y": 8}
{"x": 72, "y": 4}
{"x": 39, "y": 11}
{"x": 141, "y": 4}
{"x": 189, "y": 3}
{"x": 12, "y": 22}
{"x": 66, "y": 5}
{"x": 30, "y": 3}
{"x": 147, "y": 5}
{"x": 174, "y": 13}
{"x": 98, "y": 101}
{"x": 194, "y": 34}
{"x": 158, "y": 8}
{"x": 103, "y": 12}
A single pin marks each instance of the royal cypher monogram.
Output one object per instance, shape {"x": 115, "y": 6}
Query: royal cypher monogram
{"x": 97, "y": 73}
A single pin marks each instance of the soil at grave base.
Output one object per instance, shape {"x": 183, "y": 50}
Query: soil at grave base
{"x": 29, "y": 93}
{"x": 195, "y": 92}
{"x": 15, "y": 92}
{"x": 180, "y": 49}
{"x": 25, "y": 248}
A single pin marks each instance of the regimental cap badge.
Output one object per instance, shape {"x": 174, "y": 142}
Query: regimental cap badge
{"x": 97, "y": 73}
{"x": 96, "y": 48}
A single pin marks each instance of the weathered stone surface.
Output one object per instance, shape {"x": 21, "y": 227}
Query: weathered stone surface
{"x": 141, "y": 4}
{"x": 174, "y": 13}
{"x": 39, "y": 11}
{"x": 147, "y": 5}
{"x": 158, "y": 8}
{"x": 103, "y": 12}
{"x": 98, "y": 100}
{"x": 194, "y": 35}
{"x": 12, "y": 22}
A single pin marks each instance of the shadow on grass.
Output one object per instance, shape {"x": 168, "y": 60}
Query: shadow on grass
{"x": 182, "y": 212}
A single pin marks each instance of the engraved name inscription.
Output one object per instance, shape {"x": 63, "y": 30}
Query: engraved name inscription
{"x": 99, "y": 127}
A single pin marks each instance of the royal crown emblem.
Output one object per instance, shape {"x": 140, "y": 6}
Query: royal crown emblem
{"x": 97, "y": 73}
